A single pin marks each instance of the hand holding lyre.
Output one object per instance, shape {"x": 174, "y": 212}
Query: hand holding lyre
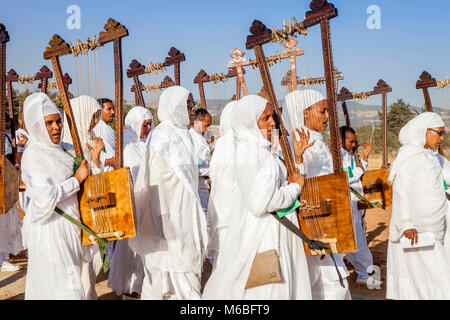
{"x": 82, "y": 172}
{"x": 301, "y": 145}
{"x": 366, "y": 150}
{"x": 96, "y": 150}
{"x": 297, "y": 177}
{"x": 21, "y": 142}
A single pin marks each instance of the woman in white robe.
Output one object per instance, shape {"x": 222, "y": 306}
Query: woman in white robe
{"x": 55, "y": 254}
{"x": 223, "y": 183}
{"x": 251, "y": 228}
{"x": 172, "y": 235}
{"x": 419, "y": 206}
{"x": 318, "y": 161}
{"x": 127, "y": 271}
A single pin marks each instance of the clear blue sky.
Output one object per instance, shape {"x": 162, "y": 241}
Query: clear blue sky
{"x": 414, "y": 37}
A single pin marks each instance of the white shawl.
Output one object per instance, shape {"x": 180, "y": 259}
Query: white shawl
{"x": 171, "y": 235}
{"x": 134, "y": 145}
{"x": 418, "y": 184}
{"x": 257, "y": 174}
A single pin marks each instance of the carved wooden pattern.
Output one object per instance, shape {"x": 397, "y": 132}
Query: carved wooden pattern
{"x": 44, "y": 74}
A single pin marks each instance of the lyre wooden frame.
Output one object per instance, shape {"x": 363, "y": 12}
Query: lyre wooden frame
{"x": 9, "y": 175}
{"x": 425, "y": 82}
{"x": 321, "y": 13}
{"x": 239, "y": 62}
{"x": 202, "y": 77}
{"x": 12, "y": 77}
{"x": 135, "y": 69}
{"x": 287, "y": 79}
{"x": 381, "y": 88}
{"x": 114, "y": 32}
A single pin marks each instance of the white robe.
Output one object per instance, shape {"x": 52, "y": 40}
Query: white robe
{"x": 54, "y": 248}
{"x": 104, "y": 131}
{"x": 171, "y": 226}
{"x": 317, "y": 161}
{"x": 419, "y": 202}
{"x": 10, "y": 226}
{"x": 251, "y": 228}
{"x": 203, "y": 157}
{"x": 223, "y": 184}
{"x": 126, "y": 272}
{"x": 361, "y": 260}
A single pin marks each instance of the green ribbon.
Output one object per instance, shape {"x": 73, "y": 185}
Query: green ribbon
{"x": 101, "y": 242}
{"x": 349, "y": 172}
{"x": 283, "y": 212}
{"x": 445, "y": 185}
{"x": 371, "y": 204}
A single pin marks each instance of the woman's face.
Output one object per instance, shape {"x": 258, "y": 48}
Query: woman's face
{"x": 266, "y": 122}
{"x": 145, "y": 129}
{"x": 54, "y": 126}
{"x": 316, "y": 116}
{"x": 434, "y": 137}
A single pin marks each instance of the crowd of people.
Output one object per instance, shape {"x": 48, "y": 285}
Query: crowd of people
{"x": 197, "y": 202}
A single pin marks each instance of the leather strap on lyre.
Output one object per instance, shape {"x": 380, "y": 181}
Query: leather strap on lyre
{"x": 312, "y": 244}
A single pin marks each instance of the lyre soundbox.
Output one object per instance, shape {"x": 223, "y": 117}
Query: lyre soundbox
{"x": 107, "y": 206}
{"x": 324, "y": 211}
{"x": 377, "y": 188}
{"x": 9, "y": 185}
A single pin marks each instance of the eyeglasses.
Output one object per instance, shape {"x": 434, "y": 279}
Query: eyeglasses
{"x": 190, "y": 104}
{"x": 440, "y": 133}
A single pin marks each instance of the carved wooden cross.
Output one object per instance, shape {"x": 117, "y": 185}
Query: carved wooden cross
{"x": 426, "y": 81}
{"x": 202, "y": 77}
{"x": 381, "y": 88}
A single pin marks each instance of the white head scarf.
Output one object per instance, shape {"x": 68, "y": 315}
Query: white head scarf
{"x": 317, "y": 159}
{"x": 134, "y": 145}
{"x": 413, "y": 139}
{"x": 43, "y": 154}
{"x": 83, "y": 108}
{"x": 36, "y": 107}
{"x": 295, "y": 103}
{"x": 225, "y": 118}
{"x": 173, "y": 106}
{"x": 244, "y": 120}
{"x": 133, "y": 121}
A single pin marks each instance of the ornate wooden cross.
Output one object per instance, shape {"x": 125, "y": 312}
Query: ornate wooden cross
{"x": 114, "y": 32}
{"x": 381, "y": 88}
{"x": 425, "y": 82}
{"x": 202, "y": 77}
{"x": 135, "y": 69}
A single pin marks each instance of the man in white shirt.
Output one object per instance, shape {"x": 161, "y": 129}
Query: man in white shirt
{"x": 103, "y": 130}
{"x": 361, "y": 260}
{"x": 202, "y": 122}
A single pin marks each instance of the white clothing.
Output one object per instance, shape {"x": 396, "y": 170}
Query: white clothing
{"x": 251, "y": 229}
{"x": 419, "y": 203}
{"x": 171, "y": 225}
{"x": 223, "y": 183}
{"x": 21, "y": 133}
{"x": 361, "y": 260}
{"x": 54, "y": 247}
{"x": 104, "y": 131}
{"x": 10, "y": 232}
{"x": 8, "y": 145}
{"x": 317, "y": 161}
{"x": 202, "y": 157}
{"x": 126, "y": 273}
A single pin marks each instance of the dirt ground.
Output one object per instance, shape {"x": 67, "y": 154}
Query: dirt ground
{"x": 12, "y": 284}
